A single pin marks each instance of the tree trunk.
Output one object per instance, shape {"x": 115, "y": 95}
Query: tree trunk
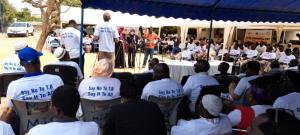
{"x": 46, "y": 23}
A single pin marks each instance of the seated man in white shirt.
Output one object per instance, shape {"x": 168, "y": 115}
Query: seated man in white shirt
{"x": 235, "y": 51}
{"x": 195, "y": 83}
{"x": 237, "y": 92}
{"x": 252, "y": 52}
{"x": 268, "y": 55}
{"x": 64, "y": 59}
{"x": 11, "y": 64}
{"x": 293, "y": 65}
{"x": 100, "y": 86}
{"x": 163, "y": 87}
{"x": 261, "y": 48}
{"x": 34, "y": 85}
{"x": 279, "y": 52}
{"x": 65, "y": 102}
{"x": 286, "y": 57}
{"x": 211, "y": 121}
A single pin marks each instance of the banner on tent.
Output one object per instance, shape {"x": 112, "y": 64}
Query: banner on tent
{"x": 258, "y": 36}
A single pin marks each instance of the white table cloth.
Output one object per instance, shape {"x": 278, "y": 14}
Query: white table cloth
{"x": 178, "y": 68}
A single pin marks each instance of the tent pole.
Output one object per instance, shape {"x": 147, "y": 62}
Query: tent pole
{"x": 209, "y": 38}
{"x": 81, "y": 38}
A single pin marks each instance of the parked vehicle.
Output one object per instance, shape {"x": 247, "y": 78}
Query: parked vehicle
{"x": 20, "y": 28}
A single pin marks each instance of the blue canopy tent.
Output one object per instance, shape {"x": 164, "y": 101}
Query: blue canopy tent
{"x": 226, "y": 10}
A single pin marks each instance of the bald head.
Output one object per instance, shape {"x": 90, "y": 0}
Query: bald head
{"x": 106, "y": 16}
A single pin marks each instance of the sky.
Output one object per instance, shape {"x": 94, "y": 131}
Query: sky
{"x": 18, "y": 4}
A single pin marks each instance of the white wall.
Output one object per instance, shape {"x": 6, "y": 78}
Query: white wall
{"x": 291, "y": 35}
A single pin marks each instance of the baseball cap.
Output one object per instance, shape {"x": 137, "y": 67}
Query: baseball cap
{"x": 28, "y": 55}
{"x": 212, "y": 104}
{"x": 20, "y": 45}
{"x": 103, "y": 68}
{"x": 59, "y": 52}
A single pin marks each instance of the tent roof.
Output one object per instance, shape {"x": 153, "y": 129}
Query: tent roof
{"x": 233, "y": 10}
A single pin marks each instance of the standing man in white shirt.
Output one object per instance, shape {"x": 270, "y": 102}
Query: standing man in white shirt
{"x": 237, "y": 92}
{"x": 164, "y": 86}
{"x": 35, "y": 85}
{"x": 70, "y": 39}
{"x": 11, "y": 64}
{"x": 64, "y": 59}
{"x": 210, "y": 121}
{"x": 65, "y": 102}
{"x": 195, "y": 83}
{"x": 107, "y": 35}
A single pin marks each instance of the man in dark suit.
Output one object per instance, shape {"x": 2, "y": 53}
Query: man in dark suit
{"x": 134, "y": 116}
{"x": 132, "y": 41}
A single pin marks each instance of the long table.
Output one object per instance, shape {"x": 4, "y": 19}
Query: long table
{"x": 178, "y": 68}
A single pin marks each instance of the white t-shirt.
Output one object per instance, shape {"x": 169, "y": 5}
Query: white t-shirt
{"x": 69, "y": 63}
{"x": 286, "y": 59}
{"x": 66, "y": 128}
{"x": 187, "y": 54}
{"x": 11, "y": 64}
{"x": 194, "y": 85}
{"x": 164, "y": 88}
{"x": 222, "y": 52}
{"x": 251, "y": 53}
{"x": 242, "y": 86}
{"x": 234, "y": 52}
{"x": 279, "y": 54}
{"x": 106, "y": 33}
{"x": 290, "y": 101}
{"x": 190, "y": 47}
{"x": 100, "y": 88}
{"x": 5, "y": 129}
{"x": 261, "y": 49}
{"x": 268, "y": 56}
{"x": 39, "y": 87}
{"x": 70, "y": 38}
{"x": 202, "y": 126}
{"x": 235, "y": 116}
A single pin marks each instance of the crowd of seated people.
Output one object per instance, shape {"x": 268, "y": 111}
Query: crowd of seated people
{"x": 258, "y": 102}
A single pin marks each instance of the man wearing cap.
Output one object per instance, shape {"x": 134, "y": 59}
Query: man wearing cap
{"x": 64, "y": 59}
{"x": 211, "y": 121}
{"x": 70, "y": 39}
{"x": 106, "y": 34}
{"x": 11, "y": 64}
{"x": 35, "y": 85}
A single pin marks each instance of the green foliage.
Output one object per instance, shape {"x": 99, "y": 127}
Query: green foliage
{"x": 25, "y": 16}
{"x": 9, "y": 13}
{"x": 72, "y": 3}
{"x": 169, "y": 30}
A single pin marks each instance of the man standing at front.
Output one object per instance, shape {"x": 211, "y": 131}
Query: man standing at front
{"x": 107, "y": 35}
{"x": 150, "y": 37}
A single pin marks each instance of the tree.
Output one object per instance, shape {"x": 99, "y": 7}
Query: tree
{"x": 24, "y": 15}
{"x": 48, "y": 9}
{"x": 7, "y": 13}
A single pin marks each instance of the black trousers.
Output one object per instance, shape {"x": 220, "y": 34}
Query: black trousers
{"x": 77, "y": 61}
{"x": 131, "y": 56}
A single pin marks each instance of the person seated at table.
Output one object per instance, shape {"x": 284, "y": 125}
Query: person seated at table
{"x": 259, "y": 98}
{"x": 163, "y": 86}
{"x": 223, "y": 69}
{"x": 64, "y": 59}
{"x": 195, "y": 83}
{"x": 35, "y": 85}
{"x": 134, "y": 116}
{"x": 235, "y": 51}
{"x": 191, "y": 45}
{"x": 293, "y": 65}
{"x": 275, "y": 122}
{"x": 5, "y": 118}
{"x": 279, "y": 52}
{"x": 252, "y": 52}
{"x": 237, "y": 92}
{"x": 65, "y": 102}
{"x": 260, "y": 48}
{"x": 175, "y": 51}
{"x": 286, "y": 57}
{"x": 210, "y": 121}
{"x": 11, "y": 64}
{"x": 152, "y": 62}
{"x": 275, "y": 67}
{"x": 296, "y": 52}
{"x": 291, "y": 100}
{"x": 268, "y": 55}
{"x": 100, "y": 86}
